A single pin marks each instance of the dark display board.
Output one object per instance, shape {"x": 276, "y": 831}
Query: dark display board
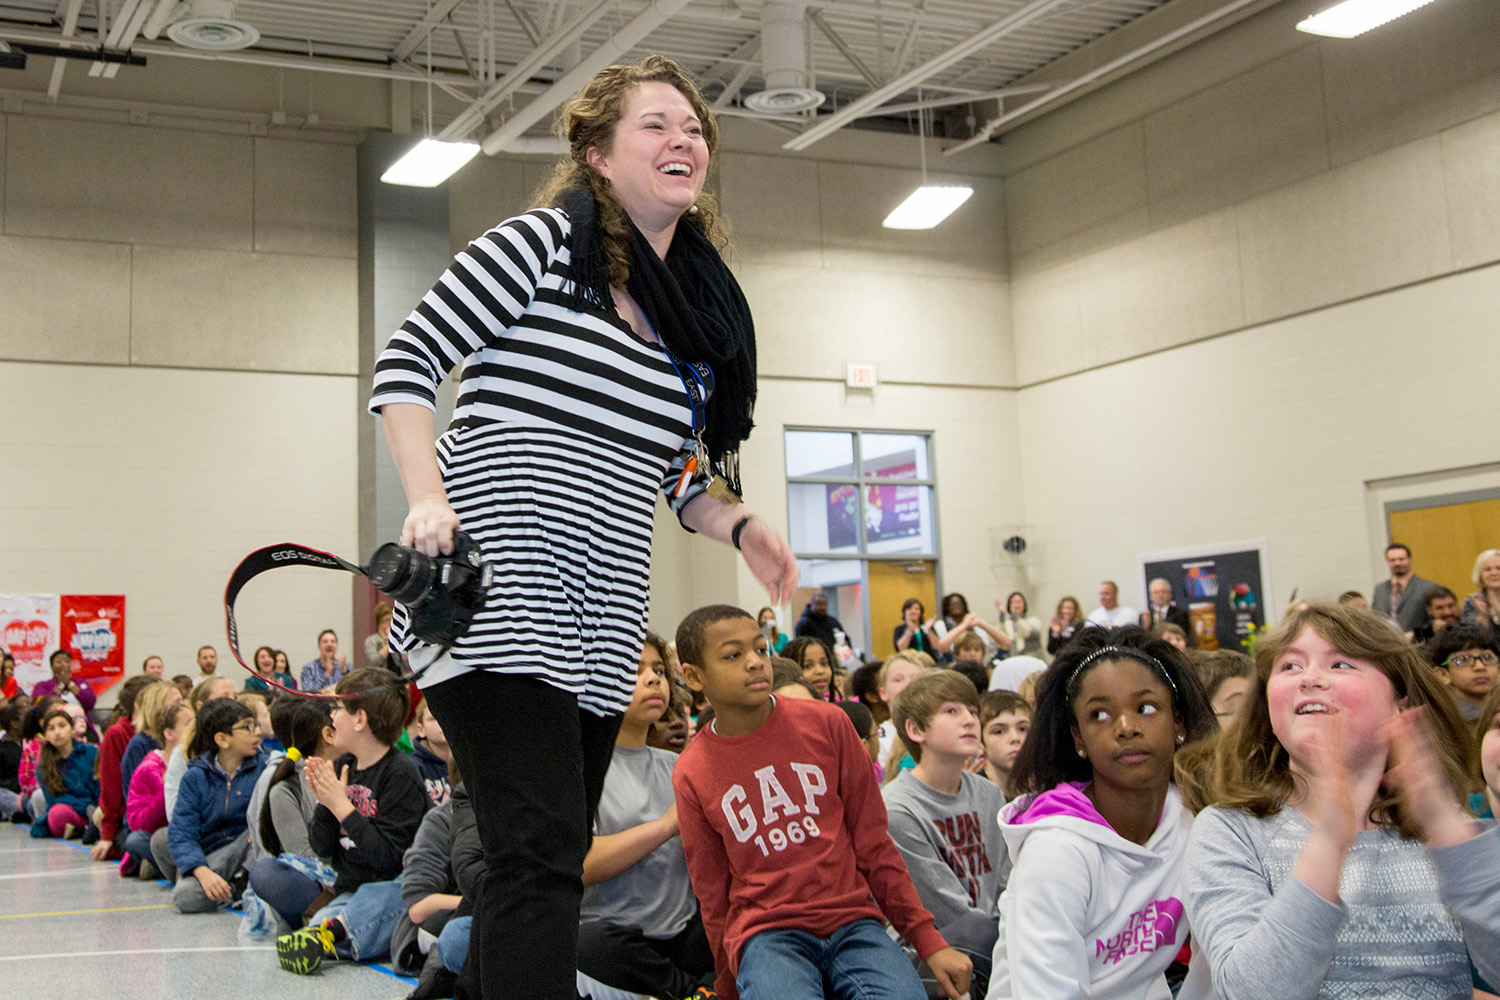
{"x": 1223, "y": 592}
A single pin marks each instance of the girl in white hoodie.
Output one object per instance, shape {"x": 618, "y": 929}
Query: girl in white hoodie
{"x": 1097, "y": 837}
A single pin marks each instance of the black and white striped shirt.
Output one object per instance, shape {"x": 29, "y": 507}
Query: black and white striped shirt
{"x": 567, "y": 425}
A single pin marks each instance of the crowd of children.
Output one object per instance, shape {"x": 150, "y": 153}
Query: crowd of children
{"x": 1149, "y": 823}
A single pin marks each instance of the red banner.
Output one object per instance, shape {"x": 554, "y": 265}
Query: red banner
{"x": 93, "y": 630}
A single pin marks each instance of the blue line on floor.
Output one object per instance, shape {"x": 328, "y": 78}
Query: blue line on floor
{"x": 394, "y": 975}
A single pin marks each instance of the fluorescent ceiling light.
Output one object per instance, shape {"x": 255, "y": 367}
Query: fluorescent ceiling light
{"x": 927, "y": 206}
{"x": 1355, "y": 17}
{"x": 430, "y": 162}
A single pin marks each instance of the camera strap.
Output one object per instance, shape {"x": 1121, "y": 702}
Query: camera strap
{"x": 269, "y": 558}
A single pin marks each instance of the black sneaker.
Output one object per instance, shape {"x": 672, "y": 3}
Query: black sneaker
{"x": 302, "y": 951}
{"x": 90, "y": 835}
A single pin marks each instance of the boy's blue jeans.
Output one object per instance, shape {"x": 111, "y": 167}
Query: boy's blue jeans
{"x": 453, "y": 943}
{"x": 859, "y": 961}
{"x": 369, "y": 914}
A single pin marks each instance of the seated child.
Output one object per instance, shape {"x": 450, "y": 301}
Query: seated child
{"x": 429, "y": 894}
{"x": 148, "y": 711}
{"x": 943, "y": 818}
{"x": 1226, "y": 675}
{"x": 146, "y": 799}
{"x": 670, "y": 732}
{"x": 430, "y": 753}
{"x": 207, "y": 838}
{"x": 785, "y": 836}
{"x": 639, "y": 928}
{"x": 11, "y": 720}
{"x": 286, "y": 813}
{"x": 1004, "y": 720}
{"x": 65, "y": 775}
{"x": 1466, "y": 658}
{"x": 274, "y": 740}
{"x": 894, "y": 676}
{"x": 370, "y": 802}
{"x": 33, "y": 800}
{"x": 1336, "y": 860}
{"x": 111, "y": 791}
{"x": 212, "y": 689}
{"x": 1097, "y": 838}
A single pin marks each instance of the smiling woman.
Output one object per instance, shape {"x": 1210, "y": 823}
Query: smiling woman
{"x": 608, "y": 355}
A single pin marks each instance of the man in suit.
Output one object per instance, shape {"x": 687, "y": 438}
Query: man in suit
{"x": 1164, "y": 609}
{"x": 1403, "y": 598}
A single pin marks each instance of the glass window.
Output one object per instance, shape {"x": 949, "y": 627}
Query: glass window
{"x": 898, "y": 519}
{"x": 819, "y": 453}
{"x": 860, "y": 496}
{"x": 894, "y": 456}
{"x": 823, "y": 517}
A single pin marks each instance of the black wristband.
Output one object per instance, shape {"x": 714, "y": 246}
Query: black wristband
{"x": 739, "y": 526}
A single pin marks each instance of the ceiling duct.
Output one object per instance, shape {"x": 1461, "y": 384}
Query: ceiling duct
{"x": 783, "y": 57}
{"x": 210, "y": 25}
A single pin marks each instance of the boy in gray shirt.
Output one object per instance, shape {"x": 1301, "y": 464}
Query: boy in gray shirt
{"x": 944, "y": 819}
{"x": 639, "y": 927}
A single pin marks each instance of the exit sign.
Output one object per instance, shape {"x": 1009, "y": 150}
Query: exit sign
{"x": 860, "y": 376}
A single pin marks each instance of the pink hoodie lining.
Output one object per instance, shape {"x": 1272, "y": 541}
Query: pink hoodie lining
{"x": 1067, "y": 799}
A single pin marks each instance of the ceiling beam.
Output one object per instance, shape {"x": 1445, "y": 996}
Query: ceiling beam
{"x": 473, "y": 116}
{"x": 67, "y": 12}
{"x": 435, "y": 16}
{"x": 844, "y": 49}
{"x": 631, "y": 34}
{"x": 1136, "y": 55}
{"x": 1033, "y": 11}
{"x": 730, "y": 92}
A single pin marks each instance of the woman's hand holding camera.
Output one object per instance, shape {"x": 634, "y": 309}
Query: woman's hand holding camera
{"x": 430, "y": 525}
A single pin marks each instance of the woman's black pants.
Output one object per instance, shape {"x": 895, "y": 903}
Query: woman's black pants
{"x": 533, "y": 764}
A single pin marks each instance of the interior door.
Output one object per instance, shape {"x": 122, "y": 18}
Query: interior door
{"x": 891, "y": 584}
{"x": 1445, "y": 539}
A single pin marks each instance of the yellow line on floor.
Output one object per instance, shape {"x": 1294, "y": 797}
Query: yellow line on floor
{"x": 74, "y": 913}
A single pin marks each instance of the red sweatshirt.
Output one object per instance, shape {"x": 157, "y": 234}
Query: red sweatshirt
{"x": 111, "y": 784}
{"x": 784, "y": 828}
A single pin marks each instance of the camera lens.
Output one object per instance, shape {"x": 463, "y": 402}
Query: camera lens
{"x": 402, "y": 574}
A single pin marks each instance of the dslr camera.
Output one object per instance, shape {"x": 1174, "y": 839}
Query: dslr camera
{"x": 441, "y": 594}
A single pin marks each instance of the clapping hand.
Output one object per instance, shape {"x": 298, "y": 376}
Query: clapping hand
{"x": 1414, "y": 772}
{"x": 330, "y": 788}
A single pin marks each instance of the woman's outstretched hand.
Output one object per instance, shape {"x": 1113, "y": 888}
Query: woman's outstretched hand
{"x": 770, "y": 559}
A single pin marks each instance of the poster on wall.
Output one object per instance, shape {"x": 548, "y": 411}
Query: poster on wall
{"x": 29, "y": 631}
{"x": 93, "y": 630}
{"x": 89, "y": 626}
{"x": 1222, "y": 588}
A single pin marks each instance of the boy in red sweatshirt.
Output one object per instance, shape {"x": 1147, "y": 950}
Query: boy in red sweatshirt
{"x": 786, "y": 840}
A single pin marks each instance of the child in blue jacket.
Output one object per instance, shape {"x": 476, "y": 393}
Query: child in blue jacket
{"x": 208, "y": 836}
{"x": 65, "y": 774}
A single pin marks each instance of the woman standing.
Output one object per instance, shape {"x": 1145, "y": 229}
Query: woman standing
{"x": 608, "y": 353}
{"x": 1483, "y": 606}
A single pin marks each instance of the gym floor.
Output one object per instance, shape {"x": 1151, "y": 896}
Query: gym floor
{"x": 71, "y": 924}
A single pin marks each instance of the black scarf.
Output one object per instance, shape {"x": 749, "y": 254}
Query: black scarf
{"x": 697, "y": 309}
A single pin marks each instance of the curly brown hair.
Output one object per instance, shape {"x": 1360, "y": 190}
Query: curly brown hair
{"x": 1252, "y": 770}
{"x": 589, "y": 120}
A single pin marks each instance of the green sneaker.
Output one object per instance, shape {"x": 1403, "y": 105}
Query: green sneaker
{"x": 302, "y": 951}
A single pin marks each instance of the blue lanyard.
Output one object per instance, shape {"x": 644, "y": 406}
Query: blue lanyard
{"x": 697, "y": 389}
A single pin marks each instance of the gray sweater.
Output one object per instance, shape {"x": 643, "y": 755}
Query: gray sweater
{"x": 954, "y": 853}
{"x": 1409, "y": 922}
